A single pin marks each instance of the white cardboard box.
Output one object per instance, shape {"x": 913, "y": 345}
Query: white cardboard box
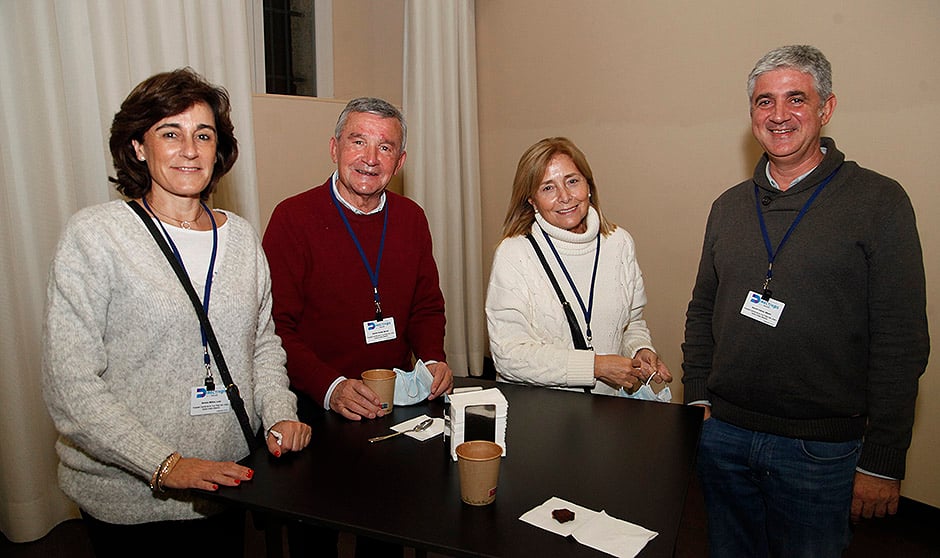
{"x": 459, "y": 402}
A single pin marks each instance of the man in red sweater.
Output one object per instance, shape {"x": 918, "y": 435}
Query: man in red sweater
{"x": 353, "y": 278}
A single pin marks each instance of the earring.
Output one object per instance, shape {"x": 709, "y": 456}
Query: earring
{"x": 141, "y": 158}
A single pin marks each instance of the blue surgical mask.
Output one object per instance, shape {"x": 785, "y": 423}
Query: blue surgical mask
{"x": 413, "y": 386}
{"x": 646, "y": 393}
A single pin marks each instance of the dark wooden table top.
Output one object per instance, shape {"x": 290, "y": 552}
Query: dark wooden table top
{"x": 633, "y": 459}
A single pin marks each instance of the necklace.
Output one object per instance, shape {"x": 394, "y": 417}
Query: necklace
{"x": 183, "y": 224}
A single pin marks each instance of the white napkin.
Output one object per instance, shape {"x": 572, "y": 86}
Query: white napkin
{"x": 542, "y": 516}
{"x": 590, "y": 528}
{"x": 430, "y": 432}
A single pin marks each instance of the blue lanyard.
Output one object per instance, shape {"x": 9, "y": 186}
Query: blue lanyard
{"x": 373, "y": 275}
{"x": 771, "y": 253}
{"x": 589, "y": 309}
{"x": 210, "y": 383}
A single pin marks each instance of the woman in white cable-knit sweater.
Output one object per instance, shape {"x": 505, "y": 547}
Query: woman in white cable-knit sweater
{"x": 124, "y": 370}
{"x": 554, "y": 201}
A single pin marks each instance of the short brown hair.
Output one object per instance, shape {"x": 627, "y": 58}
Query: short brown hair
{"x": 154, "y": 99}
{"x": 529, "y": 173}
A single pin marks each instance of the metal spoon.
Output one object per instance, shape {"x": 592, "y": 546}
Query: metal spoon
{"x": 423, "y": 425}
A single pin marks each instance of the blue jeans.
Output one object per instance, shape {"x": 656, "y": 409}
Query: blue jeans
{"x": 771, "y": 496}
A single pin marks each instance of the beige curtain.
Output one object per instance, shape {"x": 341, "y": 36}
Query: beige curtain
{"x": 442, "y": 172}
{"x": 66, "y": 66}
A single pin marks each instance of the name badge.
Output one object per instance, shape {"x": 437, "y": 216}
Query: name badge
{"x": 379, "y": 330}
{"x": 208, "y": 402}
{"x": 764, "y": 311}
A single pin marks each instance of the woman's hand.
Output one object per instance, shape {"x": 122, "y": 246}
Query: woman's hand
{"x": 291, "y": 436}
{"x": 618, "y": 371}
{"x": 651, "y": 365}
{"x": 190, "y": 472}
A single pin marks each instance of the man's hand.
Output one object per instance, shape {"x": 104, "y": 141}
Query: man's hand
{"x": 874, "y": 497}
{"x": 355, "y": 401}
{"x": 443, "y": 379}
{"x": 708, "y": 411}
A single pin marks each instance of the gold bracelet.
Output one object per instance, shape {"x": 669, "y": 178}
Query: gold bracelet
{"x": 171, "y": 462}
{"x": 153, "y": 477}
{"x": 156, "y": 481}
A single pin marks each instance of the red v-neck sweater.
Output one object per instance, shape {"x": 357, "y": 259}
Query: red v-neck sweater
{"x": 323, "y": 294}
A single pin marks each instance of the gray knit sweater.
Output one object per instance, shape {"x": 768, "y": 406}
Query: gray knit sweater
{"x": 122, "y": 351}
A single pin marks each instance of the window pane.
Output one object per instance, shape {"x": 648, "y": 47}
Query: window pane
{"x": 289, "y": 51}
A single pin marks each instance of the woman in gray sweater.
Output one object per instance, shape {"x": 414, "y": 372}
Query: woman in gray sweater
{"x": 128, "y": 376}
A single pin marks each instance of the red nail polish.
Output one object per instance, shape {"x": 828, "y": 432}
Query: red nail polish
{"x": 237, "y": 482}
{"x": 215, "y": 487}
{"x": 251, "y": 473}
{"x": 277, "y": 453}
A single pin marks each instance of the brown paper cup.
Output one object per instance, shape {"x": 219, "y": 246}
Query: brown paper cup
{"x": 478, "y": 464}
{"x": 382, "y": 382}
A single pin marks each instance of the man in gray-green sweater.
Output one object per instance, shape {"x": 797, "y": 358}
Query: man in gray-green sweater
{"x": 806, "y": 333}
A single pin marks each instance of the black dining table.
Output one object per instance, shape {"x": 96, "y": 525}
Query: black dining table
{"x": 633, "y": 459}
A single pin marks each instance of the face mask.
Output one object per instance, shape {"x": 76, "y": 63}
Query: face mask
{"x": 646, "y": 393}
{"x": 414, "y": 386}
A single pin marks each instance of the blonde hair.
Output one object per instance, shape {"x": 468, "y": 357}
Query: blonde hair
{"x": 529, "y": 174}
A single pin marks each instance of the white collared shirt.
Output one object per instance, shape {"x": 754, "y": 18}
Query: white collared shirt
{"x": 349, "y": 205}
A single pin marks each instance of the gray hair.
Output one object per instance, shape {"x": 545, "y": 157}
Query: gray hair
{"x": 804, "y": 58}
{"x": 375, "y": 106}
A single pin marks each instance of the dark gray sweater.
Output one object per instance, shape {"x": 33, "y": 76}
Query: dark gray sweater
{"x": 844, "y": 359}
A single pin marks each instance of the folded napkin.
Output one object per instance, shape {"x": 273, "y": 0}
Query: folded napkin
{"x": 432, "y": 431}
{"x": 590, "y": 528}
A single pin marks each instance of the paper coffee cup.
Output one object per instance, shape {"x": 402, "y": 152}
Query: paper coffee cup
{"x": 478, "y": 464}
{"x": 382, "y": 382}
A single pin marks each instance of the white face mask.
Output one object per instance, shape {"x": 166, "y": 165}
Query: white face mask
{"x": 646, "y": 393}
{"x": 414, "y": 386}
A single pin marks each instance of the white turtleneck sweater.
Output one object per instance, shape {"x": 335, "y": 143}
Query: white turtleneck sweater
{"x": 529, "y": 336}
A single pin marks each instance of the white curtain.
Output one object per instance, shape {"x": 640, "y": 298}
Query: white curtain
{"x": 65, "y": 67}
{"x": 442, "y": 172}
